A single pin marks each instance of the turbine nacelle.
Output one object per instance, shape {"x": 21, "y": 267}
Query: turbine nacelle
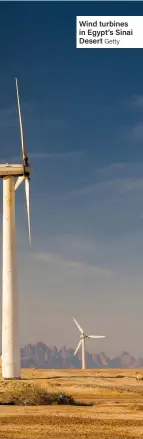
{"x": 14, "y": 170}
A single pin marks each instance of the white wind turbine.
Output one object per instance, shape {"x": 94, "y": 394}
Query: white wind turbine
{"x": 83, "y": 337}
{"x": 10, "y": 308}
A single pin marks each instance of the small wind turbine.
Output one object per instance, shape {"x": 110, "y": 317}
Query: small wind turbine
{"x": 83, "y": 337}
{"x": 10, "y": 308}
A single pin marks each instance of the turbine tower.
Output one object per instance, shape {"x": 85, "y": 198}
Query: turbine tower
{"x": 83, "y": 337}
{"x": 10, "y": 302}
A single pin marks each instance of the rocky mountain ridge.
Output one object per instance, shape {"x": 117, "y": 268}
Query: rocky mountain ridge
{"x": 41, "y": 356}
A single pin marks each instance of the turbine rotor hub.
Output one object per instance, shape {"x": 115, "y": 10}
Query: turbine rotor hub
{"x": 82, "y": 336}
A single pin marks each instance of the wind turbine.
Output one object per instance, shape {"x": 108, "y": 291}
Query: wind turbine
{"x": 10, "y": 308}
{"x": 83, "y": 337}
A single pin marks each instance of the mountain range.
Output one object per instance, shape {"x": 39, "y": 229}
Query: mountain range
{"x": 41, "y": 356}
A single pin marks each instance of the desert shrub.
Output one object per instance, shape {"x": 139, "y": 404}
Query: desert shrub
{"x": 21, "y": 393}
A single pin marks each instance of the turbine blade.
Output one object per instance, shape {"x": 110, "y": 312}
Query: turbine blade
{"x": 19, "y": 180}
{"x": 79, "y": 344}
{"x": 27, "y": 193}
{"x": 21, "y": 124}
{"x": 79, "y": 327}
{"x": 96, "y": 336}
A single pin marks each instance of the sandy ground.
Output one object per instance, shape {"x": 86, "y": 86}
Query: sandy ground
{"x": 117, "y": 396}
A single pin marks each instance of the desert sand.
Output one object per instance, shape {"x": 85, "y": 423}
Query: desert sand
{"x": 117, "y": 411}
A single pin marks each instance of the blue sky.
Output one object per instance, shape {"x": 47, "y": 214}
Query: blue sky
{"x": 83, "y": 121}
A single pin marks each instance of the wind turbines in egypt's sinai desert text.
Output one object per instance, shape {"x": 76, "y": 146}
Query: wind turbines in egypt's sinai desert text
{"x": 10, "y": 302}
{"x": 81, "y": 344}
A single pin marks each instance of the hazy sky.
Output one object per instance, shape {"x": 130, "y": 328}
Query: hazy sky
{"x": 83, "y": 119}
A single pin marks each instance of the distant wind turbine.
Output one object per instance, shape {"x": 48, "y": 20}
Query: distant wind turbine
{"x": 83, "y": 336}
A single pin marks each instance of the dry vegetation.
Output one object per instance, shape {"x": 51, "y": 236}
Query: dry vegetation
{"x": 117, "y": 411}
